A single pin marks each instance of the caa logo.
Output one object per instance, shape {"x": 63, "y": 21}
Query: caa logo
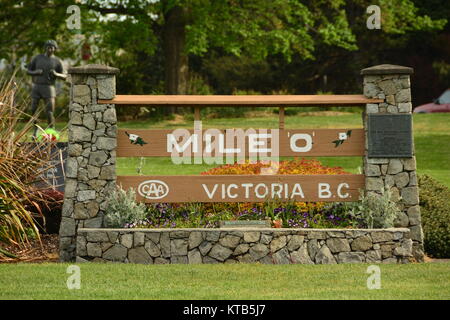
{"x": 153, "y": 189}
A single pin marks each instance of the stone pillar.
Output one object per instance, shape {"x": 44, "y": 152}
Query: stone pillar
{"x": 392, "y": 84}
{"x": 90, "y": 166}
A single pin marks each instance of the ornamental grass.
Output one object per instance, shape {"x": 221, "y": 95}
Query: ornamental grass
{"x": 21, "y": 167}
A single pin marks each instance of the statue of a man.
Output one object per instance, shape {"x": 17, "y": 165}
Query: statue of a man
{"x": 45, "y": 68}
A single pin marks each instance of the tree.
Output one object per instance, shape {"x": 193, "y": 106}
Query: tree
{"x": 409, "y": 35}
{"x": 26, "y": 25}
{"x": 154, "y": 42}
{"x": 256, "y": 28}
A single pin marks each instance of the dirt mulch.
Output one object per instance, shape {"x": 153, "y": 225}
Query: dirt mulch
{"x": 45, "y": 251}
{"x": 435, "y": 260}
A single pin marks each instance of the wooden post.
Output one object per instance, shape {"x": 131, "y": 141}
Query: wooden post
{"x": 197, "y": 117}
{"x": 281, "y": 117}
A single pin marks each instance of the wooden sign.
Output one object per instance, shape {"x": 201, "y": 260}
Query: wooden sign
{"x": 244, "y": 188}
{"x": 240, "y": 142}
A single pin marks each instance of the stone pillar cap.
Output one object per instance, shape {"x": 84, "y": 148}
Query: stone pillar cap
{"x": 387, "y": 69}
{"x": 93, "y": 69}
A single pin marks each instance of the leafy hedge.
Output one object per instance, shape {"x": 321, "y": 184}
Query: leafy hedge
{"x": 435, "y": 212}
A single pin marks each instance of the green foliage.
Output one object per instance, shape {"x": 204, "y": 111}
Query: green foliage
{"x": 376, "y": 210}
{"x": 122, "y": 209}
{"x": 259, "y": 28}
{"x": 225, "y": 112}
{"x": 435, "y": 214}
{"x": 7, "y": 254}
{"x": 208, "y": 215}
{"x": 229, "y": 111}
{"x": 29, "y": 24}
{"x": 401, "y": 16}
{"x": 342, "y": 214}
{"x": 442, "y": 68}
{"x": 180, "y": 215}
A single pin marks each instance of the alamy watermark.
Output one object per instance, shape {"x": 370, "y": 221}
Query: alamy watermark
{"x": 374, "y": 280}
{"x": 241, "y": 146}
{"x": 73, "y": 22}
{"x": 74, "y": 280}
{"x": 374, "y": 20}
{"x": 215, "y": 146}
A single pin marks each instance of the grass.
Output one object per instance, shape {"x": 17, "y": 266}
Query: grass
{"x": 224, "y": 282}
{"x": 431, "y": 135}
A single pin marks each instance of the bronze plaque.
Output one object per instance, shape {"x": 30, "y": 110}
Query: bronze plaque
{"x": 390, "y": 136}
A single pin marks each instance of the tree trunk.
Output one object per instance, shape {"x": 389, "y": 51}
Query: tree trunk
{"x": 176, "y": 59}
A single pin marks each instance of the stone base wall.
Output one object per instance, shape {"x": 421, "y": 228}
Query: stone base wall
{"x": 268, "y": 246}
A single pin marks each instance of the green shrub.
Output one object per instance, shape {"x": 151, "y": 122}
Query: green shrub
{"x": 435, "y": 212}
{"x": 376, "y": 210}
{"x": 122, "y": 208}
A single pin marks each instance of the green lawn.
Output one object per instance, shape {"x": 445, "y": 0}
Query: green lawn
{"x": 223, "y": 282}
{"x": 431, "y": 135}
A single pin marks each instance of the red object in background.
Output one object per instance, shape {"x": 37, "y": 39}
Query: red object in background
{"x": 86, "y": 51}
{"x": 441, "y": 104}
{"x": 49, "y": 137}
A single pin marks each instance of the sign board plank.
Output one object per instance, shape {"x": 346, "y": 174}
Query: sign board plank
{"x": 240, "y": 100}
{"x": 390, "y": 136}
{"x": 244, "y": 188}
{"x": 292, "y": 142}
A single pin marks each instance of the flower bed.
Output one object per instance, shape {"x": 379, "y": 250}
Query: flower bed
{"x": 124, "y": 212}
{"x": 207, "y": 215}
